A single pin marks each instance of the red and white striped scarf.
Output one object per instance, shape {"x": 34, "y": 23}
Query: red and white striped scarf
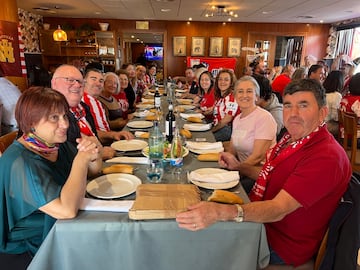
{"x": 79, "y": 113}
{"x": 274, "y": 156}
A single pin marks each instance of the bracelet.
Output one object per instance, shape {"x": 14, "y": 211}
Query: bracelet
{"x": 240, "y": 213}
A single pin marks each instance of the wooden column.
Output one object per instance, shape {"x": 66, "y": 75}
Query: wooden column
{"x": 9, "y": 12}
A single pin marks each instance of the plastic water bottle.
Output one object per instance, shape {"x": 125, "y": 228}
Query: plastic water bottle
{"x": 176, "y": 160}
{"x": 155, "y": 169}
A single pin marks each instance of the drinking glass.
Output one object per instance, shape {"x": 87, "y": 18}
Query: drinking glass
{"x": 155, "y": 171}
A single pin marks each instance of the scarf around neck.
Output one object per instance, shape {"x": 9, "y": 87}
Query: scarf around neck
{"x": 39, "y": 145}
{"x": 275, "y": 155}
{"x": 79, "y": 114}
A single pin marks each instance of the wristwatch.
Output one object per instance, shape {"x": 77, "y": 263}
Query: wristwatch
{"x": 240, "y": 213}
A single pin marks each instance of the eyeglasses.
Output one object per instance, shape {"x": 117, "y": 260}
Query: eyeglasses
{"x": 71, "y": 81}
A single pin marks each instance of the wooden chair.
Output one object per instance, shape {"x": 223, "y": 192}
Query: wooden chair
{"x": 349, "y": 121}
{"x": 6, "y": 140}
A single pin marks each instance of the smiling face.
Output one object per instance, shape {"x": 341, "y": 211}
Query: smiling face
{"x": 94, "y": 83}
{"x": 205, "y": 81}
{"x": 52, "y": 128}
{"x": 110, "y": 85}
{"x": 302, "y": 114}
{"x": 124, "y": 81}
{"x": 69, "y": 81}
{"x": 245, "y": 95}
{"x": 224, "y": 82}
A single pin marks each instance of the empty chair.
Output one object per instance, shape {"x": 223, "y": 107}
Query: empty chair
{"x": 349, "y": 121}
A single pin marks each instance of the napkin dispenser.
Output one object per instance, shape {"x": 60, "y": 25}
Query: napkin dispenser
{"x": 163, "y": 201}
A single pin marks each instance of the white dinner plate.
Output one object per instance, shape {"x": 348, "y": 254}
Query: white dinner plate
{"x": 129, "y": 145}
{"x": 145, "y": 152}
{"x": 140, "y": 124}
{"x": 206, "y": 151}
{"x": 143, "y": 114}
{"x": 144, "y": 106}
{"x": 197, "y": 127}
{"x": 181, "y": 90}
{"x": 187, "y": 115}
{"x": 111, "y": 186}
{"x": 208, "y": 185}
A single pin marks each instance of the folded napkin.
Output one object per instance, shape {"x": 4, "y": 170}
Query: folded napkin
{"x": 226, "y": 176}
{"x": 197, "y": 127}
{"x": 204, "y": 145}
{"x": 187, "y": 115}
{"x": 102, "y": 205}
{"x": 135, "y": 160}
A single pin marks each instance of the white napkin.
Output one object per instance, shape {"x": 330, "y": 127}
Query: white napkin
{"x": 204, "y": 145}
{"x": 143, "y": 113}
{"x": 197, "y": 127}
{"x": 135, "y": 160}
{"x": 102, "y": 205}
{"x": 187, "y": 115}
{"x": 224, "y": 177}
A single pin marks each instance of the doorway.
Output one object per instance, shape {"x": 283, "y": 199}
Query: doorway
{"x": 144, "y": 48}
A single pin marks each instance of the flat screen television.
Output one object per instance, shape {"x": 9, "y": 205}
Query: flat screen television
{"x": 153, "y": 53}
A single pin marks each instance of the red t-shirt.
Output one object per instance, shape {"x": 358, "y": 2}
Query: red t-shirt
{"x": 280, "y": 82}
{"x": 208, "y": 101}
{"x": 316, "y": 176}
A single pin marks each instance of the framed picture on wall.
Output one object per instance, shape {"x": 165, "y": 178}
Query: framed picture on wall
{"x": 179, "y": 46}
{"x": 197, "y": 46}
{"x": 216, "y": 47}
{"x": 234, "y": 47}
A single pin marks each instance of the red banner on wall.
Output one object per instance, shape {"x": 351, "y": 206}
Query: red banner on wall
{"x": 9, "y": 49}
{"x": 213, "y": 64}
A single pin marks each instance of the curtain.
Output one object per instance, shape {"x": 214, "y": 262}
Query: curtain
{"x": 344, "y": 42}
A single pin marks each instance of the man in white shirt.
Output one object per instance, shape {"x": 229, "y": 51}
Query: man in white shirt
{"x": 9, "y": 94}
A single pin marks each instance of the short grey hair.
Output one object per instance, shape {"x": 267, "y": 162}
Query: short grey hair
{"x": 248, "y": 79}
{"x": 108, "y": 74}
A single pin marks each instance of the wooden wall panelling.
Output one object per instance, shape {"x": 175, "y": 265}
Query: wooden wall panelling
{"x": 315, "y": 41}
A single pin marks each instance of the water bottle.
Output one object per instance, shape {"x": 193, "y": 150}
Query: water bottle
{"x": 170, "y": 124}
{"x": 176, "y": 160}
{"x": 155, "y": 169}
{"x": 157, "y": 99}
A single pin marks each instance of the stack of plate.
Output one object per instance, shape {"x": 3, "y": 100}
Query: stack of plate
{"x": 213, "y": 178}
{"x": 205, "y": 147}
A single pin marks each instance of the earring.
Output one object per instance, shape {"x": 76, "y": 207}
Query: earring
{"x": 32, "y": 130}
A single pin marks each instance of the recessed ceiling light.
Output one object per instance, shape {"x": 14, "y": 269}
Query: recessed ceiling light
{"x": 321, "y": 21}
{"x": 266, "y": 12}
{"x": 132, "y": 36}
{"x": 165, "y": 9}
{"x": 305, "y": 17}
{"x": 190, "y": 19}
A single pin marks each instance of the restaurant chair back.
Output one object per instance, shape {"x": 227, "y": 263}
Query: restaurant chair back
{"x": 339, "y": 249}
{"x": 349, "y": 122}
{"x": 6, "y": 140}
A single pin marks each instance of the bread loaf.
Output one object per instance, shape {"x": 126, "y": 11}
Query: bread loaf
{"x": 145, "y": 135}
{"x": 186, "y": 133}
{"x": 118, "y": 168}
{"x": 208, "y": 157}
{"x": 224, "y": 196}
{"x": 151, "y": 117}
{"x": 194, "y": 119}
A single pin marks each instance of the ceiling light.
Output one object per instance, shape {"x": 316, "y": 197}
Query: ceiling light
{"x": 165, "y": 9}
{"x": 190, "y": 19}
{"x": 59, "y": 34}
{"x": 132, "y": 36}
{"x": 219, "y": 11}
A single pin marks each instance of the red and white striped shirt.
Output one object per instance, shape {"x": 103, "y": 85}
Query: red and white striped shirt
{"x": 97, "y": 112}
{"x": 223, "y": 106}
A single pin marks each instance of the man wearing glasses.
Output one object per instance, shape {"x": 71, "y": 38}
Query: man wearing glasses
{"x": 68, "y": 80}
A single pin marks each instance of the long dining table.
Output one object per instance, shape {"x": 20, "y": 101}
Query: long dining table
{"x": 110, "y": 240}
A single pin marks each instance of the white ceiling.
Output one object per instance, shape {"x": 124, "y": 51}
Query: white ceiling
{"x": 281, "y": 11}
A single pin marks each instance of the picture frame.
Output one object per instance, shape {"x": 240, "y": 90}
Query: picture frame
{"x": 179, "y": 45}
{"x": 216, "y": 46}
{"x": 234, "y": 47}
{"x": 197, "y": 46}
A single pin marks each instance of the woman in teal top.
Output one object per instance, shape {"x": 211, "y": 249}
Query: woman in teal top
{"x": 42, "y": 177}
